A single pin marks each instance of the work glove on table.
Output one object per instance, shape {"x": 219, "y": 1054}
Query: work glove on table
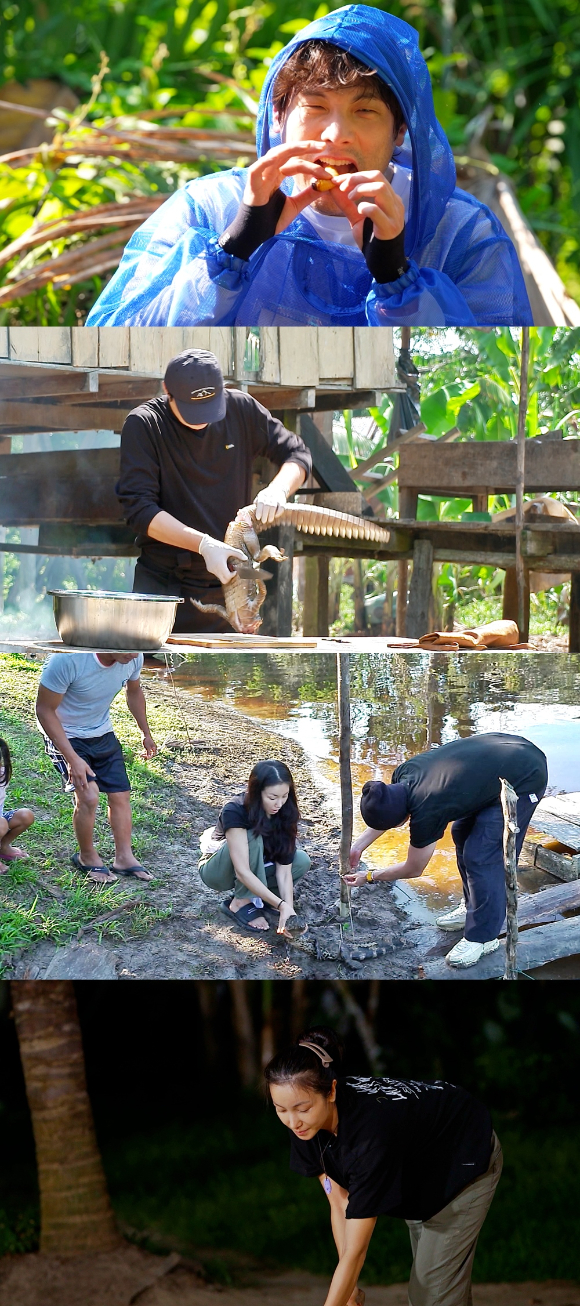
{"x": 215, "y": 555}
{"x": 269, "y": 503}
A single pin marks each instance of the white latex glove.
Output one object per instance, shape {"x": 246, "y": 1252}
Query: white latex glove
{"x": 215, "y": 555}
{"x": 269, "y": 504}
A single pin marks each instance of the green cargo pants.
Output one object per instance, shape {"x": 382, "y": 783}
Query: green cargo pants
{"x": 217, "y": 870}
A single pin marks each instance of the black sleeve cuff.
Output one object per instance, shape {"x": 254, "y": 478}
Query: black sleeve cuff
{"x": 385, "y": 259}
{"x": 252, "y": 225}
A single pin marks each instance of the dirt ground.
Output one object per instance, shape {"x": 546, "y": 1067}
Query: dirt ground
{"x": 131, "y": 1275}
{"x": 196, "y": 941}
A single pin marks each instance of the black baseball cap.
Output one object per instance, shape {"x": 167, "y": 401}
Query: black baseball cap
{"x": 195, "y": 381}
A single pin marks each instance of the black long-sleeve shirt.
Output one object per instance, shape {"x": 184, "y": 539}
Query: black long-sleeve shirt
{"x": 201, "y": 477}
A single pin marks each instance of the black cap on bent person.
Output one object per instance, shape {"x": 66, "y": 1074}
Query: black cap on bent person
{"x": 195, "y": 381}
{"x": 382, "y": 806}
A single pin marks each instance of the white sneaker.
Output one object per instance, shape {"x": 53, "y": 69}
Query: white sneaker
{"x": 453, "y": 920}
{"x": 466, "y": 954}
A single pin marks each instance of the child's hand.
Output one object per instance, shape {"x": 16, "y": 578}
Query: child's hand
{"x": 149, "y": 746}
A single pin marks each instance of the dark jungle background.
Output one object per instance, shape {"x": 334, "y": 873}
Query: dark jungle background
{"x": 197, "y": 1162}
{"x": 505, "y": 77}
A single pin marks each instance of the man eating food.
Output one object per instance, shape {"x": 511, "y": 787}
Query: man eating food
{"x": 389, "y": 240}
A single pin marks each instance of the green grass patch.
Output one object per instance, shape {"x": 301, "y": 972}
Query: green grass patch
{"x": 545, "y": 613}
{"x": 43, "y": 897}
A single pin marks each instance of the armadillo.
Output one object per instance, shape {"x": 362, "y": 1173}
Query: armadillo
{"x": 245, "y": 594}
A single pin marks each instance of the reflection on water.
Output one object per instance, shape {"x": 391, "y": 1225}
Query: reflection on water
{"x": 400, "y": 705}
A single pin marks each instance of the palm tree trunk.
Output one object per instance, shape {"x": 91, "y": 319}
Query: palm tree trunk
{"x": 75, "y": 1213}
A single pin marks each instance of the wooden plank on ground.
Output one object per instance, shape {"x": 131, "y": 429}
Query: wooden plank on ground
{"x": 536, "y": 947}
{"x": 566, "y": 806}
{"x": 558, "y": 898}
{"x": 564, "y": 831}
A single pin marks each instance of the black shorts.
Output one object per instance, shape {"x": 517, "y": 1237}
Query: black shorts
{"x": 105, "y": 758}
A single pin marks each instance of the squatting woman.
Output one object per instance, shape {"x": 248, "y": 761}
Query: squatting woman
{"x": 425, "y": 1153}
{"x": 252, "y": 849}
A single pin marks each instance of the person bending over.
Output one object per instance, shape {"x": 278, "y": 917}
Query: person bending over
{"x": 186, "y": 469}
{"x": 425, "y": 1153}
{"x": 72, "y": 709}
{"x": 252, "y": 849}
{"x": 459, "y": 782}
{"x": 348, "y": 104}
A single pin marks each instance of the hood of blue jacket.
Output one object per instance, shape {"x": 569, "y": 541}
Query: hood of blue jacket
{"x": 390, "y": 47}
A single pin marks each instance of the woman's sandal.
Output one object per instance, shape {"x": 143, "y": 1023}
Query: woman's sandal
{"x": 90, "y": 871}
{"x": 243, "y": 916}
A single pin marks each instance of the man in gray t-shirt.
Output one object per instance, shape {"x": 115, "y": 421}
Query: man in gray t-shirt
{"x": 72, "y": 708}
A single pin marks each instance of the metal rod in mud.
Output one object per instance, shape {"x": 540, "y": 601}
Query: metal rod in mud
{"x": 509, "y": 803}
{"x": 343, "y": 685}
{"x": 520, "y": 478}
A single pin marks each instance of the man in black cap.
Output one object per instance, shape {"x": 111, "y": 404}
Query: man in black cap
{"x": 186, "y": 469}
{"x": 458, "y": 782}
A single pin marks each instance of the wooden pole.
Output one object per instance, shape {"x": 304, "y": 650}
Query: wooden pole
{"x": 509, "y": 802}
{"x": 520, "y": 477}
{"x": 343, "y": 684}
{"x": 402, "y": 583}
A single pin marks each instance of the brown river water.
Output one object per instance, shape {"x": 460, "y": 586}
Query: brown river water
{"x": 401, "y": 705}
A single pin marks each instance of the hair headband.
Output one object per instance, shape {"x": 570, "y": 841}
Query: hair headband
{"x": 319, "y": 1052}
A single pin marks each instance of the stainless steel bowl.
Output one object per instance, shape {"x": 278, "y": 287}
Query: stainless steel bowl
{"x": 104, "y": 619}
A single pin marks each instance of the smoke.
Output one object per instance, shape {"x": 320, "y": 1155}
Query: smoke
{"x": 32, "y": 621}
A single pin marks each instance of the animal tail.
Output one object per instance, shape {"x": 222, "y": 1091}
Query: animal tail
{"x": 312, "y": 520}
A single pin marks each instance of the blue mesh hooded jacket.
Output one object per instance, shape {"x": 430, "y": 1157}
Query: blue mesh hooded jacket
{"x": 463, "y": 269}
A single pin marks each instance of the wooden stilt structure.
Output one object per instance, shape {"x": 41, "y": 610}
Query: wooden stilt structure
{"x": 343, "y": 686}
{"x": 510, "y": 826}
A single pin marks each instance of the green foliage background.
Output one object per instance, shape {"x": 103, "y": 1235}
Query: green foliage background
{"x": 505, "y": 77}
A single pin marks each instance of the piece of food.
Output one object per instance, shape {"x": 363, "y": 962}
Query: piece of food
{"x": 321, "y": 183}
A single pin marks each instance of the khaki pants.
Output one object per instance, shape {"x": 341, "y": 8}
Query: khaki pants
{"x": 444, "y": 1247}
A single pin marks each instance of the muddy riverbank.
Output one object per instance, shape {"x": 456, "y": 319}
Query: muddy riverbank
{"x": 205, "y": 760}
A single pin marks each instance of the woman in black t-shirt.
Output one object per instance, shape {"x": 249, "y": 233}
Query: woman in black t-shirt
{"x": 252, "y": 849}
{"x": 425, "y": 1153}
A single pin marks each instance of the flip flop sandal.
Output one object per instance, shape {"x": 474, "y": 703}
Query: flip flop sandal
{"x": 13, "y": 856}
{"x": 133, "y": 870}
{"x": 294, "y": 927}
{"x": 89, "y": 870}
{"x": 243, "y": 916}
